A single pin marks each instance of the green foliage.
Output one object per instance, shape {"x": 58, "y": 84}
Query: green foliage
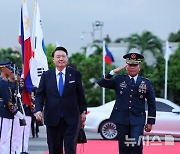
{"x": 49, "y": 49}
{"x": 174, "y": 76}
{"x": 174, "y": 37}
{"x": 91, "y": 71}
{"x": 12, "y": 55}
{"x": 145, "y": 41}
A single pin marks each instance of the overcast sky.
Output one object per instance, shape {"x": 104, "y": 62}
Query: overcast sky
{"x": 65, "y": 20}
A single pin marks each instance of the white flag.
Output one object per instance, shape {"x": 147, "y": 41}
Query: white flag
{"x": 39, "y": 62}
{"x": 168, "y": 51}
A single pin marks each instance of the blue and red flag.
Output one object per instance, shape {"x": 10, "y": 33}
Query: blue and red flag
{"x": 25, "y": 41}
{"x": 108, "y": 56}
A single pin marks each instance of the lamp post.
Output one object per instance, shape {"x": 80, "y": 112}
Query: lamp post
{"x": 97, "y": 25}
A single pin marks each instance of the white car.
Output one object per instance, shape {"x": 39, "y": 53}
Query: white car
{"x": 167, "y": 120}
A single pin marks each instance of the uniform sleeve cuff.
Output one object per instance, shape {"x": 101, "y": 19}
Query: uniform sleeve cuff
{"x": 111, "y": 72}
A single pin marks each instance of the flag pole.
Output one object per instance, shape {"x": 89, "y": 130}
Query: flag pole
{"x": 103, "y": 89}
{"x": 166, "y": 78}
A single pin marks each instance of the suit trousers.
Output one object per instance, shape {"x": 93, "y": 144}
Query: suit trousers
{"x": 62, "y": 135}
{"x": 130, "y": 138}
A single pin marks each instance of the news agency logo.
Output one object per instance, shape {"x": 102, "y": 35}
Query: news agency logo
{"x": 167, "y": 140}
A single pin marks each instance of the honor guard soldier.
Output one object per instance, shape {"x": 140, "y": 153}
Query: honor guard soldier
{"x": 29, "y": 111}
{"x": 132, "y": 92}
{"x": 18, "y": 124}
{"x": 7, "y": 108}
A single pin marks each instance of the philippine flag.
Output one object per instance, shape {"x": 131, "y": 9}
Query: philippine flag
{"x": 38, "y": 62}
{"x": 108, "y": 57}
{"x": 25, "y": 41}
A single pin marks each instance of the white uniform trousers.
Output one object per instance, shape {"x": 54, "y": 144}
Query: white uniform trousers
{"x": 16, "y": 136}
{"x": 5, "y": 130}
{"x": 25, "y": 137}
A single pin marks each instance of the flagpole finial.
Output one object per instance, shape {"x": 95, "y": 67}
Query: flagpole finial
{"x": 57, "y": 44}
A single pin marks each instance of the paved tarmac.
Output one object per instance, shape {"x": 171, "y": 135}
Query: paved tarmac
{"x": 39, "y": 145}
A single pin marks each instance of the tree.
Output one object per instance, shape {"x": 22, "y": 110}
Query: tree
{"x": 91, "y": 71}
{"x": 174, "y": 37}
{"x": 107, "y": 39}
{"x": 173, "y": 77}
{"x": 119, "y": 40}
{"x": 12, "y": 55}
{"x": 49, "y": 49}
{"x": 145, "y": 41}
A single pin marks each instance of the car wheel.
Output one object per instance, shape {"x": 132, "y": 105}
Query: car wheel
{"x": 108, "y": 130}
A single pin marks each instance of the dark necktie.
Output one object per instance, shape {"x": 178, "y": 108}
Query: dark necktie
{"x": 61, "y": 86}
{"x": 132, "y": 81}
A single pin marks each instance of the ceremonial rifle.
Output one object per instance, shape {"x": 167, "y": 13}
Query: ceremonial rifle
{"x": 18, "y": 99}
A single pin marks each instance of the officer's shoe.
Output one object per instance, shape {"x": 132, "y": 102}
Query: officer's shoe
{"x": 24, "y": 153}
{"x": 37, "y": 135}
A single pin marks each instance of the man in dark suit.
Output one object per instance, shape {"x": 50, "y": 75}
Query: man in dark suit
{"x": 61, "y": 95}
{"x": 132, "y": 91}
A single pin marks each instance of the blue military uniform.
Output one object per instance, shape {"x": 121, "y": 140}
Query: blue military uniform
{"x": 7, "y": 108}
{"x": 5, "y": 100}
{"x": 130, "y": 100}
{"x": 20, "y": 135}
{"x": 129, "y": 109}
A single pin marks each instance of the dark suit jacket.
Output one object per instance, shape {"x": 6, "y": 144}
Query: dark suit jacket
{"x": 72, "y": 102}
{"x": 129, "y": 107}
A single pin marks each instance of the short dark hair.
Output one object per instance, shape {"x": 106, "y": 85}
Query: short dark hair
{"x": 60, "y": 48}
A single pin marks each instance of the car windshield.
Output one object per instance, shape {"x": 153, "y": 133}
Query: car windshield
{"x": 161, "y": 107}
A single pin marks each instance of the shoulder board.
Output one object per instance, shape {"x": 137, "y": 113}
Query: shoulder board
{"x": 145, "y": 78}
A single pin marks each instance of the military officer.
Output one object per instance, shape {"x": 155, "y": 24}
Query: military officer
{"x": 132, "y": 92}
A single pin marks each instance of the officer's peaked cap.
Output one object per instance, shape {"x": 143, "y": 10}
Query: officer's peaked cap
{"x": 133, "y": 58}
{"x": 5, "y": 64}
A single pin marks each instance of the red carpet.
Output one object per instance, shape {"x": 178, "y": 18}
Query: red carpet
{"x": 111, "y": 147}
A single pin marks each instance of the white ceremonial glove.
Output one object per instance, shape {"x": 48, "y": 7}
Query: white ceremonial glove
{"x": 19, "y": 115}
{"x": 19, "y": 95}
